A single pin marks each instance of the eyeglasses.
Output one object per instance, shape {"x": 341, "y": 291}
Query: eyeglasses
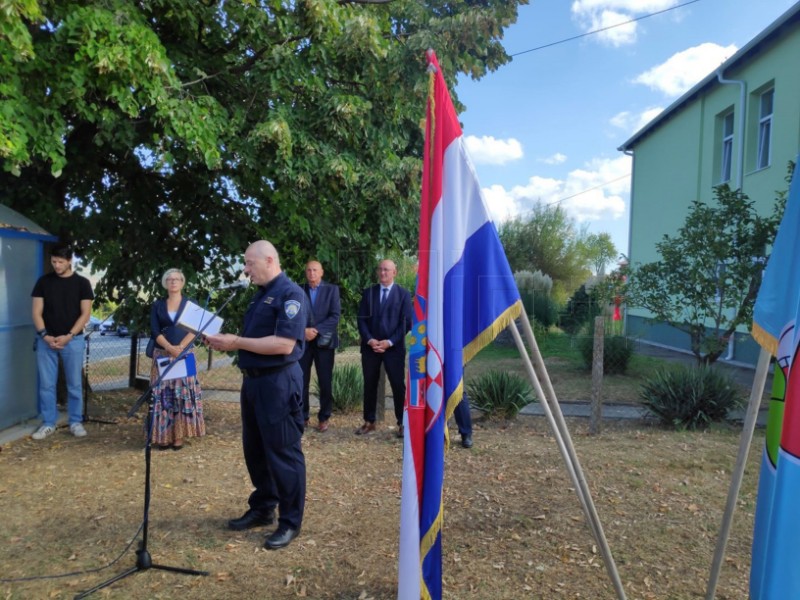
{"x": 173, "y": 279}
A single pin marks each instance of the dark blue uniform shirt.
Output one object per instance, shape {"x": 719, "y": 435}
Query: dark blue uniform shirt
{"x": 279, "y": 308}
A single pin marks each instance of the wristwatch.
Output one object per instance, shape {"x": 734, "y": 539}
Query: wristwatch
{"x": 42, "y": 333}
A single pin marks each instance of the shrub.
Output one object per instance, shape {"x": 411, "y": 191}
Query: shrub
{"x": 545, "y": 310}
{"x": 580, "y": 309}
{"x": 690, "y": 397}
{"x": 617, "y": 352}
{"x": 499, "y": 393}
{"x": 534, "y": 289}
{"x": 348, "y": 387}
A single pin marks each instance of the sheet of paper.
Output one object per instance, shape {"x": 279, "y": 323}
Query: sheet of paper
{"x": 183, "y": 368}
{"x": 195, "y": 318}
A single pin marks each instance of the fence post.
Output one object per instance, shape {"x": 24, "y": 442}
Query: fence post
{"x": 134, "y": 356}
{"x": 597, "y": 376}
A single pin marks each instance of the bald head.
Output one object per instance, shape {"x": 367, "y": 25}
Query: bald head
{"x": 261, "y": 262}
{"x": 314, "y": 273}
{"x": 387, "y": 271}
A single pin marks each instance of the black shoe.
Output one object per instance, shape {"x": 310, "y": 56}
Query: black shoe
{"x": 466, "y": 441}
{"x": 251, "y": 519}
{"x": 281, "y": 537}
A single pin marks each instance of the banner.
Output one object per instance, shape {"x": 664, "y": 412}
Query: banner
{"x": 776, "y": 531}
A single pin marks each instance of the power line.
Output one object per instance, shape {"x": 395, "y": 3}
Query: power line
{"x": 587, "y": 190}
{"x": 575, "y": 37}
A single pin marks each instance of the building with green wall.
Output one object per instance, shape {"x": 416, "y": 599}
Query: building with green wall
{"x": 741, "y": 126}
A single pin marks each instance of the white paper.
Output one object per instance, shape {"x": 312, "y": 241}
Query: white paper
{"x": 195, "y": 319}
{"x": 182, "y": 368}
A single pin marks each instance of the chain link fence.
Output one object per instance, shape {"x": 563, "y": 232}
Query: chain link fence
{"x": 117, "y": 361}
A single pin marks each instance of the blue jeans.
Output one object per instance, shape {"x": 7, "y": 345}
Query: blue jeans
{"x": 47, "y": 364}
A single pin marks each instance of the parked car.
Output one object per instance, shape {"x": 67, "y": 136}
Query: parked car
{"x": 109, "y": 327}
{"x": 93, "y": 324}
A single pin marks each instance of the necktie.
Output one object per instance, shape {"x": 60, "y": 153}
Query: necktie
{"x": 384, "y": 292}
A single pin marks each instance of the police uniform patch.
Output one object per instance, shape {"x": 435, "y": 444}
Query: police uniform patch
{"x": 291, "y": 308}
{"x": 269, "y": 300}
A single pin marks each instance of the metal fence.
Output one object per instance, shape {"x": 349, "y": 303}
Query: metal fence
{"x": 115, "y": 361}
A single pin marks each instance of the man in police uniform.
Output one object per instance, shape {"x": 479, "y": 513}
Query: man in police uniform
{"x": 270, "y": 345}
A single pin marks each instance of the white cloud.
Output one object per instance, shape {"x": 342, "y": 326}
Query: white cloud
{"x": 487, "y": 150}
{"x": 593, "y": 15}
{"x": 555, "y": 159}
{"x": 684, "y": 69}
{"x": 597, "y": 192}
{"x": 631, "y": 122}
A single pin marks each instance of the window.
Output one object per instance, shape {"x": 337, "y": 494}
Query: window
{"x": 727, "y": 148}
{"x": 764, "y": 128}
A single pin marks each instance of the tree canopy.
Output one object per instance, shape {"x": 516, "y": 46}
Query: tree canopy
{"x": 547, "y": 240}
{"x": 709, "y": 274}
{"x": 158, "y": 133}
{"x": 600, "y": 251}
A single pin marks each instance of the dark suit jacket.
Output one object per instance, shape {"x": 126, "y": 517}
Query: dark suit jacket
{"x": 388, "y": 322}
{"x": 160, "y": 323}
{"x": 324, "y": 314}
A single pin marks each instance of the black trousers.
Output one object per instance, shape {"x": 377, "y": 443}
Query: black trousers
{"x": 463, "y": 416}
{"x": 394, "y": 362}
{"x": 322, "y": 359}
{"x": 272, "y": 427}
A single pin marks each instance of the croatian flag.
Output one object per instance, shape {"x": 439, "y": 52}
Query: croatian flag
{"x": 465, "y": 296}
{"x": 776, "y": 532}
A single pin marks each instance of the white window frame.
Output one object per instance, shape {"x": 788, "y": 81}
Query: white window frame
{"x": 765, "y": 109}
{"x": 726, "y": 148}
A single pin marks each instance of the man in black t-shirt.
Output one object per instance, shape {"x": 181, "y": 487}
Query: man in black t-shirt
{"x": 62, "y": 305}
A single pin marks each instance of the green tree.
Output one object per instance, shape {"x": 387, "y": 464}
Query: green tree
{"x": 600, "y": 251}
{"x": 174, "y": 132}
{"x": 547, "y": 240}
{"x": 708, "y": 277}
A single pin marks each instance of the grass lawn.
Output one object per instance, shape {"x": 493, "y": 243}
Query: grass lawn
{"x": 513, "y": 527}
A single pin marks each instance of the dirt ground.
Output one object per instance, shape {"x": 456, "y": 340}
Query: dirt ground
{"x": 513, "y": 527}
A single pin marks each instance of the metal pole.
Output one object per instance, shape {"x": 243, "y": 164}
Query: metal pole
{"x": 756, "y": 393}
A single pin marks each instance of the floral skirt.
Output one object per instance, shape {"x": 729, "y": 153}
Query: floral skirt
{"x": 178, "y": 408}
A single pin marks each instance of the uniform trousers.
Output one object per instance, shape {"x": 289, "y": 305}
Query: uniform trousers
{"x": 272, "y": 427}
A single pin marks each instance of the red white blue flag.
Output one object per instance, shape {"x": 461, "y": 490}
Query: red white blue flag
{"x": 465, "y": 296}
{"x": 774, "y": 573}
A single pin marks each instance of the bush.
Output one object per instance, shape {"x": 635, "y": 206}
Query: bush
{"x": 545, "y": 310}
{"x": 690, "y": 397}
{"x": 499, "y": 393}
{"x": 580, "y": 309}
{"x": 617, "y": 353}
{"x": 348, "y": 387}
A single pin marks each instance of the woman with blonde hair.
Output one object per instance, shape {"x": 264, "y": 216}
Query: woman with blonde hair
{"x": 178, "y": 407}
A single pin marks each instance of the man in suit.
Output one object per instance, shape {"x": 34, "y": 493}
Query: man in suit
{"x": 322, "y": 340}
{"x": 384, "y": 318}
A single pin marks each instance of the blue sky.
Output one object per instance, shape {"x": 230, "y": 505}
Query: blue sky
{"x": 546, "y": 126}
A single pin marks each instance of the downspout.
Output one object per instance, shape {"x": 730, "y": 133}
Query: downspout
{"x": 630, "y": 237}
{"x": 739, "y": 160}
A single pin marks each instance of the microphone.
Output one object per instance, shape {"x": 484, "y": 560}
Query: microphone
{"x": 241, "y": 283}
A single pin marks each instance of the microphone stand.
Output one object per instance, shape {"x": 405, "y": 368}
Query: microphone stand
{"x": 143, "y": 559}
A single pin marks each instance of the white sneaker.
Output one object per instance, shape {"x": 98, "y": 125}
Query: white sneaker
{"x": 43, "y": 432}
{"x": 77, "y": 430}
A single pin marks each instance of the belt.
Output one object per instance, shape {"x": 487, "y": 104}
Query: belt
{"x": 258, "y": 372}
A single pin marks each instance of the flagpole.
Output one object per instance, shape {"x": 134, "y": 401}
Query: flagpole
{"x": 565, "y": 444}
{"x": 551, "y": 408}
{"x": 756, "y": 393}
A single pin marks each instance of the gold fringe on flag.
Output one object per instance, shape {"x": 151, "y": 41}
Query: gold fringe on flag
{"x": 764, "y": 339}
